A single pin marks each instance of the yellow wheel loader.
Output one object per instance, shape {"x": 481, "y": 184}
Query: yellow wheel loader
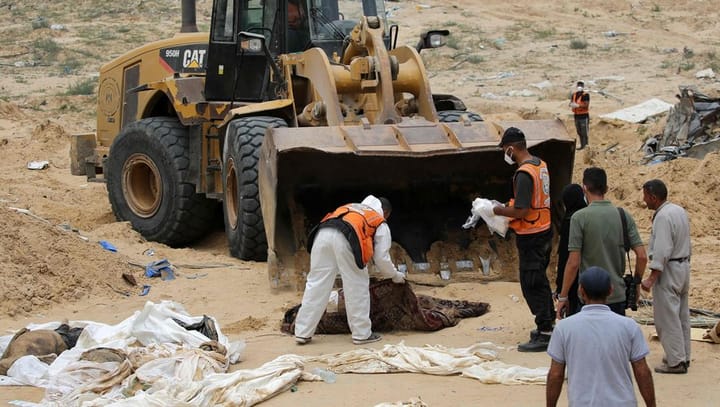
{"x": 285, "y": 110}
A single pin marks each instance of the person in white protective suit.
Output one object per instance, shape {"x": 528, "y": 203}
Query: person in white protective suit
{"x": 344, "y": 242}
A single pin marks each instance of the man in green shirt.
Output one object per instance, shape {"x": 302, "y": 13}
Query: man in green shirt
{"x": 596, "y": 239}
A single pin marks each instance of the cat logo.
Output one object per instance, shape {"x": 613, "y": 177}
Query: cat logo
{"x": 189, "y": 58}
{"x": 193, "y": 58}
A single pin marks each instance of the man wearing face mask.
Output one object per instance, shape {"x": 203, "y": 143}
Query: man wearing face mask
{"x": 580, "y": 105}
{"x": 530, "y": 213}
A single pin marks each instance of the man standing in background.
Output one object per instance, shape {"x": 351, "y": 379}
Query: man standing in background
{"x": 580, "y": 105}
{"x": 669, "y": 276}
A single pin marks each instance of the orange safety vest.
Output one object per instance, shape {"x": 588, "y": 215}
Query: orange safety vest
{"x": 538, "y": 216}
{"x": 364, "y": 221}
{"x": 583, "y": 108}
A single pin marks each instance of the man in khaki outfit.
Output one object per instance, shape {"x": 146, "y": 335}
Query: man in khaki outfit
{"x": 669, "y": 276}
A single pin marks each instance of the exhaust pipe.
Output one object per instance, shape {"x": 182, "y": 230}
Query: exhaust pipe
{"x": 189, "y": 24}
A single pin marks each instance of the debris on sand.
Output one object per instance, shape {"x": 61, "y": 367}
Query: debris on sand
{"x": 692, "y": 128}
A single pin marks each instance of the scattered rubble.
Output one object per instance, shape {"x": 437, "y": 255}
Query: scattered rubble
{"x": 692, "y": 129}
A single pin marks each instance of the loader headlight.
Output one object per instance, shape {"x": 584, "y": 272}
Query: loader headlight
{"x": 251, "y": 42}
{"x": 432, "y": 39}
{"x": 254, "y": 45}
{"x": 437, "y": 40}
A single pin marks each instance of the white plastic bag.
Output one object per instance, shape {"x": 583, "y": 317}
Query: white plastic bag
{"x": 483, "y": 209}
{"x": 29, "y": 370}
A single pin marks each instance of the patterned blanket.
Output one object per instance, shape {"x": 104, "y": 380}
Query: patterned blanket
{"x": 395, "y": 307}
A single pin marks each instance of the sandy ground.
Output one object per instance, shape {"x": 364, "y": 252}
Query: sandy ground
{"x": 52, "y": 266}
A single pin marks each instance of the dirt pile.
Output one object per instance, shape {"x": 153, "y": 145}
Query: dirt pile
{"x": 40, "y": 264}
{"x": 10, "y": 111}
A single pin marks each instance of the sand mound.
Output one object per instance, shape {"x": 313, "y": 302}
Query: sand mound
{"x": 10, "y": 111}
{"x": 49, "y": 132}
{"x": 41, "y": 264}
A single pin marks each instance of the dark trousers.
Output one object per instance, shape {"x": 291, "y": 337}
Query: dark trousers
{"x": 534, "y": 253}
{"x": 582, "y": 123}
{"x": 618, "y": 308}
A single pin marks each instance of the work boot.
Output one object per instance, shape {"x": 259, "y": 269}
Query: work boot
{"x": 681, "y": 368}
{"x": 538, "y": 342}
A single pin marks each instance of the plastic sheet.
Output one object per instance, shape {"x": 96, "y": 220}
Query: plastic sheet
{"x": 497, "y": 372}
{"x": 151, "y": 331}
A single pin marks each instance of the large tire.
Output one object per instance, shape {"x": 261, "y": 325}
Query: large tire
{"x": 148, "y": 183}
{"x": 452, "y": 116}
{"x": 243, "y": 216}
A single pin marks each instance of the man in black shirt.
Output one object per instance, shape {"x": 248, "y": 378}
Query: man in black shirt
{"x": 530, "y": 219}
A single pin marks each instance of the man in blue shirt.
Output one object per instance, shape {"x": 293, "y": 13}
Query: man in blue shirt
{"x": 599, "y": 347}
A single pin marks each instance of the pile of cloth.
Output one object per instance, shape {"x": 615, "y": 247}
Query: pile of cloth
{"x": 478, "y": 361}
{"x": 79, "y": 361}
{"x": 162, "y": 356}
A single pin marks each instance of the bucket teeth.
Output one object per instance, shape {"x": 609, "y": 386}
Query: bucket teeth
{"x": 465, "y": 265}
{"x": 421, "y": 267}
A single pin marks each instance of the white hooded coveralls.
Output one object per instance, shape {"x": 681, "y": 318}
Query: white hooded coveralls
{"x": 331, "y": 254}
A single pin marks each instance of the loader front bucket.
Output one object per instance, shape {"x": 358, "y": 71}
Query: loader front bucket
{"x": 431, "y": 172}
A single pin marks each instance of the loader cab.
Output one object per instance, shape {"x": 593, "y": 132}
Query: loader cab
{"x": 332, "y": 21}
{"x": 234, "y": 73}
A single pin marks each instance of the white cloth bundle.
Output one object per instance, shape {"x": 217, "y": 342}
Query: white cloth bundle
{"x": 483, "y": 209}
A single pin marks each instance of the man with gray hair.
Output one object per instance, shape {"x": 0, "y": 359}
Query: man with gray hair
{"x": 669, "y": 276}
{"x": 599, "y": 347}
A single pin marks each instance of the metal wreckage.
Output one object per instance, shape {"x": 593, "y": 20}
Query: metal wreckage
{"x": 692, "y": 128}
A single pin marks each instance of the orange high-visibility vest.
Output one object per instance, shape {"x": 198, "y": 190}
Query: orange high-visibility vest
{"x": 538, "y": 216}
{"x": 364, "y": 222}
{"x": 583, "y": 107}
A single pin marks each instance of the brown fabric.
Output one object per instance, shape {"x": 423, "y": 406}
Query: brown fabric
{"x": 41, "y": 343}
{"x": 395, "y": 307}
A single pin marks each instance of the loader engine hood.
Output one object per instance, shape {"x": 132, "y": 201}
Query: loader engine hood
{"x": 431, "y": 172}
